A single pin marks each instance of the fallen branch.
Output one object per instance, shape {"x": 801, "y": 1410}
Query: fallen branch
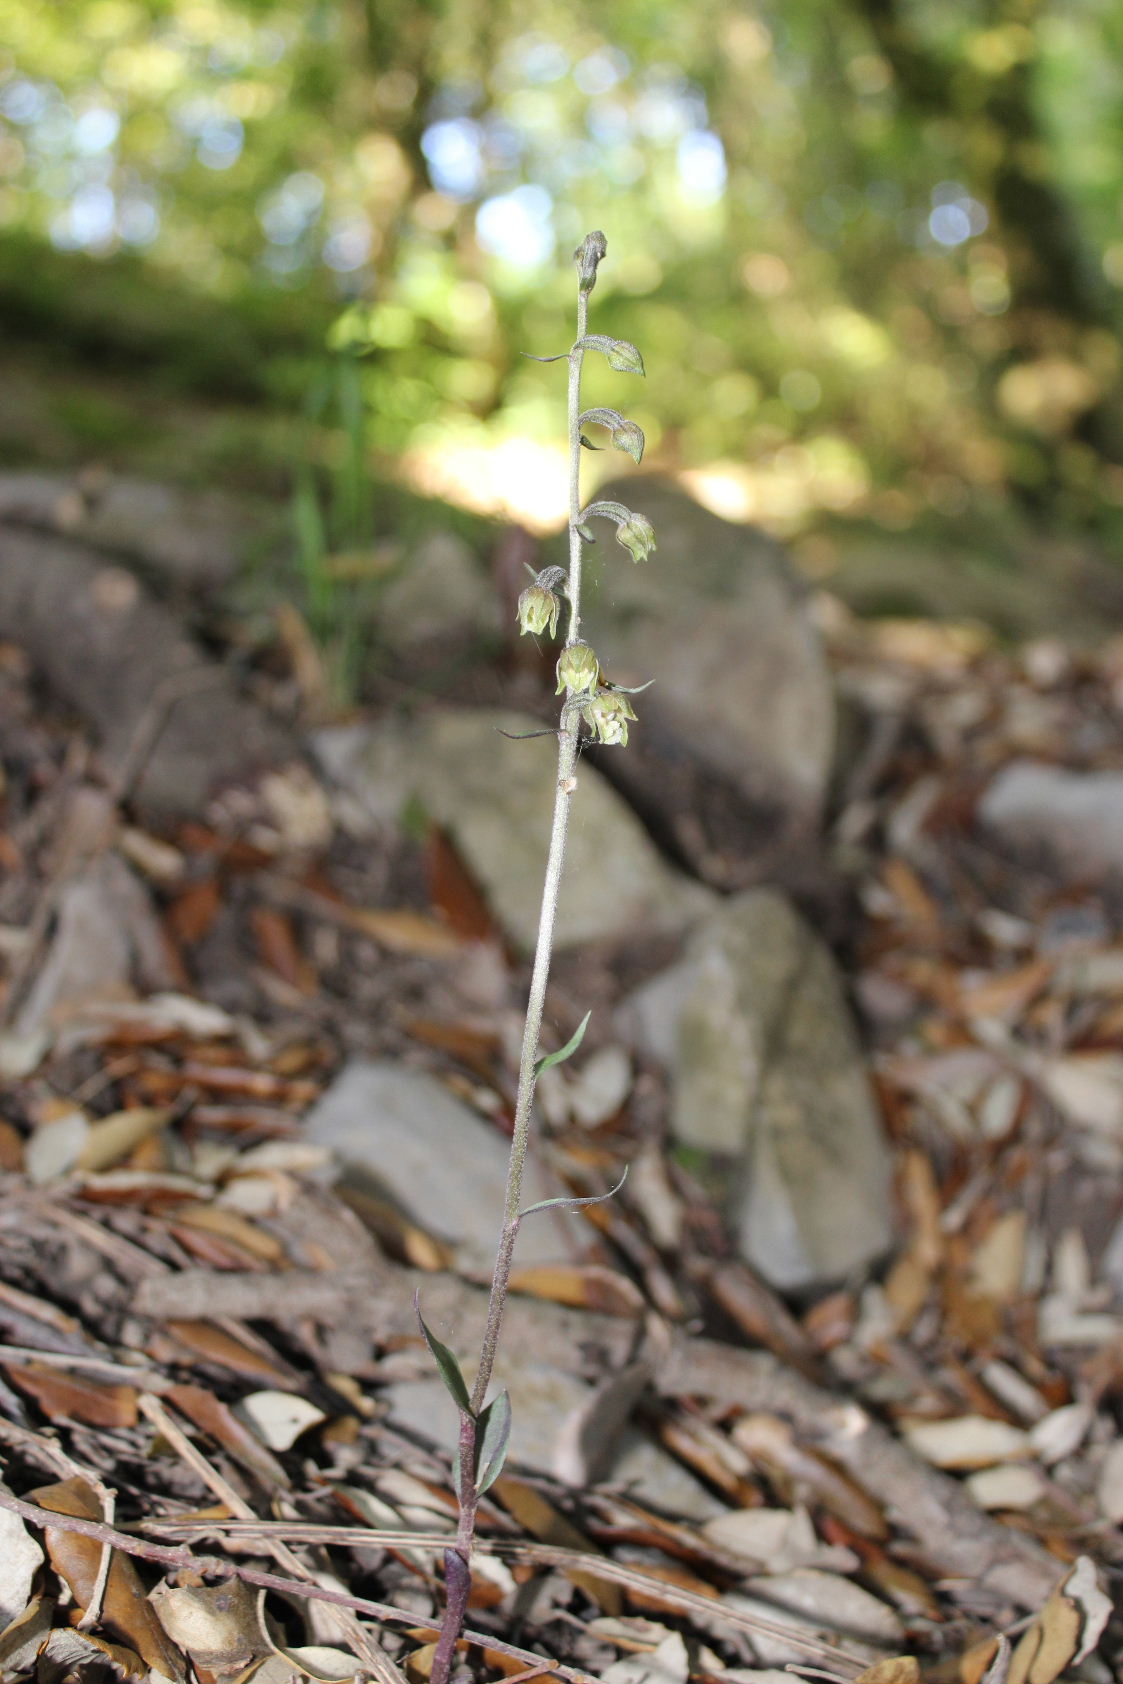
{"x": 961, "y": 1540}
{"x": 217, "y": 1567}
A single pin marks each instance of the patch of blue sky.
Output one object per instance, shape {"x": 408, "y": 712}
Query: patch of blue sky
{"x": 518, "y": 226}
{"x": 454, "y": 153}
{"x": 702, "y": 168}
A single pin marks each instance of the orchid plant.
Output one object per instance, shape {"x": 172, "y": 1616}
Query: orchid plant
{"x": 605, "y": 711}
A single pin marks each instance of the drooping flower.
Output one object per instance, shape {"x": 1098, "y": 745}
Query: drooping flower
{"x": 607, "y": 715}
{"x": 578, "y": 669}
{"x": 538, "y": 610}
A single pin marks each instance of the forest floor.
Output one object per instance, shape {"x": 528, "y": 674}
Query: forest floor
{"x": 907, "y": 1470}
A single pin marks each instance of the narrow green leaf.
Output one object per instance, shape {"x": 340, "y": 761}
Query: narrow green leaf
{"x": 550, "y": 1059}
{"x": 562, "y": 357}
{"x": 586, "y": 534}
{"x": 588, "y": 443}
{"x": 447, "y": 1364}
{"x": 566, "y": 1203}
{"x": 493, "y": 1438}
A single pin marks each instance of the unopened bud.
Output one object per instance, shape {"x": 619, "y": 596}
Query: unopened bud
{"x": 587, "y": 256}
{"x": 538, "y": 610}
{"x": 607, "y": 715}
{"x": 578, "y": 669}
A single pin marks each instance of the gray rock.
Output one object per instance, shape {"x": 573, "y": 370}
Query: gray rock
{"x": 1073, "y": 818}
{"x": 442, "y": 592}
{"x": 495, "y": 796}
{"x": 399, "y": 1134}
{"x": 767, "y": 1076}
{"x": 544, "y": 1400}
{"x": 718, "y": 618}
{"x": 195, "y": 537}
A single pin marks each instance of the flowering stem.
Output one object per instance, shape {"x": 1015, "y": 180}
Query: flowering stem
{"x": 457, "y": 1559}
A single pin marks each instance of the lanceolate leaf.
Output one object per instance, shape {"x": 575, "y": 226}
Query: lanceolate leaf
{"x": 493, "y": 1436}
{"x": 626, "y": 435}
{"x": 621, "y": 354}
{"x": 550, "y": 1059}
{"x": 455, "y": 1383}
{"x": 575, "y": 1204}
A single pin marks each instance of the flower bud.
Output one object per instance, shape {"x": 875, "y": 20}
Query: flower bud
{"x": 538, "y": 610}
{"x": 587, "y": 256}
{"x": 578, "y": 669}
{"x": 607, "y": 715}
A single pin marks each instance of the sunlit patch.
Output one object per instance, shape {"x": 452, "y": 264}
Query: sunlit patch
{"x": 514, "y": 479}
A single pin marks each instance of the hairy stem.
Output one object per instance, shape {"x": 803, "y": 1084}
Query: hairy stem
{"x": 457, "y": 1560}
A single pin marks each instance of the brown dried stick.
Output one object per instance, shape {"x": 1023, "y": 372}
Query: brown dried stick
{"x": 217, "y": 1567}
{"x": 364, "y": 1644}
{"x": 959, "y": 1538}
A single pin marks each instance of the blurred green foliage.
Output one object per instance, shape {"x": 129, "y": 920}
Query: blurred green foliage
{"x": 871, "y": 249}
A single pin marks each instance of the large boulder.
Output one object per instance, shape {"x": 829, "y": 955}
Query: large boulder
{"x": 494, "y": 794}
{"x": 400, "y": 1135}
{"x": 719, "y": 619}
{"x": 769, "y": 1083}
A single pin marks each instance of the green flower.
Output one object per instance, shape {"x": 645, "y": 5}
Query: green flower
{"x": 538, "y": 610}
{"x": 607, "y": 715}
{"x": 637, "y": 536}
{"x": 578, "y": 669}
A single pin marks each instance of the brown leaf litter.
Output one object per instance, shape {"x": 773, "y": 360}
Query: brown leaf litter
{"x": 913, "y": 1477}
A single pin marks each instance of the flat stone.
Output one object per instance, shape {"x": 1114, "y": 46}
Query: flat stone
{"x": 1073, "y": 819}
{"x": 543, "y": 1399}
{"x": 400, "y": 1135}
{"x": 494, "y": 794}
{"x": 441, "y": 593}
{"x": 768, "y": 1080}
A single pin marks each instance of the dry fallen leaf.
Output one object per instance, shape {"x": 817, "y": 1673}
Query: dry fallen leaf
{"x": 216, "y": 1418}
{"x": 20, "y": 1557}
{"x": 585, "y": 1286}
{"x": 112, "y": 1138}
{"x": 1066, "y": 1630}
{"x": 21, "y": 1641}
{"x": 776, "y": 1540}
{"x": 279, "y": 1418}
{"x": 668, "y": 1664}
{"x": 70, "y": 1651}
{"x": 217, "y": 1625}
{"x": 1007, "y": 1486}
{"x": 73, "y": 1397}
{"x": 77, "y": 1558}
{"x": 900, "y": 1669}
{"x": 813, "y": 1476}
{"x": 967, "y": 1441}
